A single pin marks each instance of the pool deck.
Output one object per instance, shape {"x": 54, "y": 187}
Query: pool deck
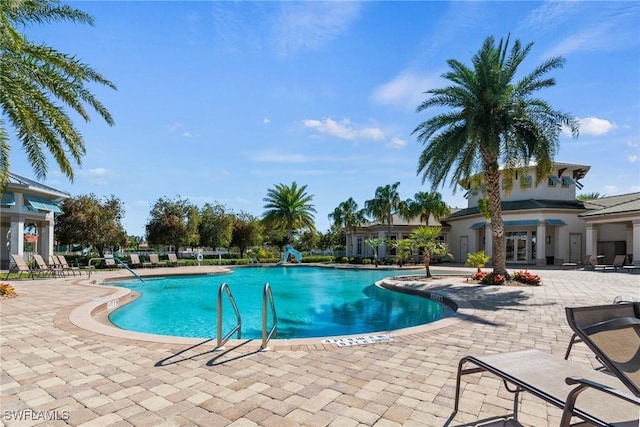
{"x": 59, "y": 366}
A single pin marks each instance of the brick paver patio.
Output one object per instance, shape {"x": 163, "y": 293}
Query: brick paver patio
{"x": 53, "y": 372}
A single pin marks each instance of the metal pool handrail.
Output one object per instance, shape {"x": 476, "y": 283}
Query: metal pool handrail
{"x": 224, "y": 288}
{"x": 116, "y": 259}
{"x": 267, "y": 295}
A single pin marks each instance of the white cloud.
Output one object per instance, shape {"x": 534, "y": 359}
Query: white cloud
{"x": 550, "y": 14}
{"x": 396, "y": 142}
{"x": 610, "y": 189}
{"x": 97, "y": 176}
{"x": 595, "y": 126}
{"x": 344, "y": 129}
{"x": 187, "y": 134}
{"x": 310, "y": 25}
{"x": 405, "y": 90}
{"x": 633, "y": 158}
{"x": 266, "y": 121}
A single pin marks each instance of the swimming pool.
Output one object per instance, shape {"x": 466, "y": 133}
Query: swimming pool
{"x": 310, "y": 302}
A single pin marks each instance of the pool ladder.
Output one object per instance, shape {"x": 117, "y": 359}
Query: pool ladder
{"x": 267, "y": 296}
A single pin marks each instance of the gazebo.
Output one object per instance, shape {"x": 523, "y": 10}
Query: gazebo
{"x": 27, "y": 211}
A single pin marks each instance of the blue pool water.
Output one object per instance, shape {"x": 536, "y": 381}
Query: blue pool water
{"x": 309, "y": 301}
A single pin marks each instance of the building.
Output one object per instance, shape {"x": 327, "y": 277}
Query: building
{"x": 544, "y": 224}
{"x": 27, "y": 210}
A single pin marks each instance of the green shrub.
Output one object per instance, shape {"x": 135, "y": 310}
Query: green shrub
{"x": 366, "y": 261}
{"x": 526, "y": 278}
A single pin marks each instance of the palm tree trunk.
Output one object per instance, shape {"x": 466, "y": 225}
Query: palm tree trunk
{"x": 492, "y": 178}
{"x": 427, "y": 262}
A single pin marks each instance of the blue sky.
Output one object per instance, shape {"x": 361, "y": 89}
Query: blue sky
{"x": 220, "y": 101}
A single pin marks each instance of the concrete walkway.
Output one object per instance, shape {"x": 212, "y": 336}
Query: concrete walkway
{"x": 53, "y": 372}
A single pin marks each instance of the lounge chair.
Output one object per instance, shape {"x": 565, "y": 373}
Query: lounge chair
{"x": 66, "y": 267}
{"x": 618, "y": 262}
{"x": 44, "y": 268}
{"x": 19, "y": 266}
{"x": 155, "y": 261}
{"x": 576, "y": 264}
{"x": 173, "y": 260}
{"x": 591, "y": 395}
{"x": 110, "y": 263}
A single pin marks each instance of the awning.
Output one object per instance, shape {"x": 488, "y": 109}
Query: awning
{"x": 478, "y": 225}
{"x": 43, "y": 204}
{"x": 554, "y": 179}
{"x": 8, "y": 199}
{"x": 567, "y": 180}
{"x": 521, "y": 223}
{"x": 555, "y": 222}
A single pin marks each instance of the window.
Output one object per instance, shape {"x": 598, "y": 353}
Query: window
{"x": 553, "y": 181}
{"x": 526, "y": 181}
{"x": 359, "y": 245}
{"x": 393, "y": 249}
{"x": 567, "y": 181}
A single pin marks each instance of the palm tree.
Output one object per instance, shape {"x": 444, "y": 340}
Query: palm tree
{"x": 385, "y": 203}
{"x": 426, "y": 238}
{"x": 289, "y": 208}
{"x": 347, "y": 216}
{"x": 494, "y": 118}
{"x": 427, "y": 204}
{"x": 590, "y": 196}
{"x": 375, "y": 242}
{"x": 34, "y": 76}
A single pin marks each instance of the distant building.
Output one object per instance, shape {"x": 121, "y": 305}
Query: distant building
{"x": 544, "y": 224}
{"x": 27, "y": 210}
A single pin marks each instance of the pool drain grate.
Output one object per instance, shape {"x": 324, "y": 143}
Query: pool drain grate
{"x": 370, "y": 339}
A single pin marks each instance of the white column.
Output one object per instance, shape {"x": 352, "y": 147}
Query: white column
{"x": 636, "y": 242}
{"x": 46, "y": 237}
{"x": 541, "y": 243}
{"x": 17, "y": 236}
{"x": 592, "y": 240}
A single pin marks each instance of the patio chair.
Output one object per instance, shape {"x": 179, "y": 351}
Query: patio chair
{"x": 155, "y": 261}
{"x": 19, "y": 266}
{"x": 618, "y": 262}
{"x": 576, "y": 264}
{"x": 173, "y": 260}
{"x": 43, "y": 267}
{"x": 561, "y": 382}
{"x": 111, "y": 263}
{"x": 62, "y": 260}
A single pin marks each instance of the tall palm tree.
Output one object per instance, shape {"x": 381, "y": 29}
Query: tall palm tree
{"x": 385, "y": 203}
{"x": 33, "y": 77}
{"x": 426, "y": 204}
{"x": 493, "y": 119}
{"x": 290, "y": 208}
{"x": 347, "y": 216}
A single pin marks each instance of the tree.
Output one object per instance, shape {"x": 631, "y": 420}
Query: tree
{"x": 374, "y": 243}
{"x": 33, "y": 77}
{"x": 427, "y": 204}
{"x": 426, "y": 238}
{"x": 347, "y": 217}
{"x": 289, "y": 208}
{"x": 216, "y": 226}
{"x": 307, "y": 240}
{"x": 246, "y": 232}
{"x": 590, "y": 196}
{"x": 385, "y": 203}
{"x": 494, "y": 118}
{"x": 172, "y": 222}
{"x": 91, "y": 221}
{"x": 404, "y": 249}
{"x": 477, "y": 259}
